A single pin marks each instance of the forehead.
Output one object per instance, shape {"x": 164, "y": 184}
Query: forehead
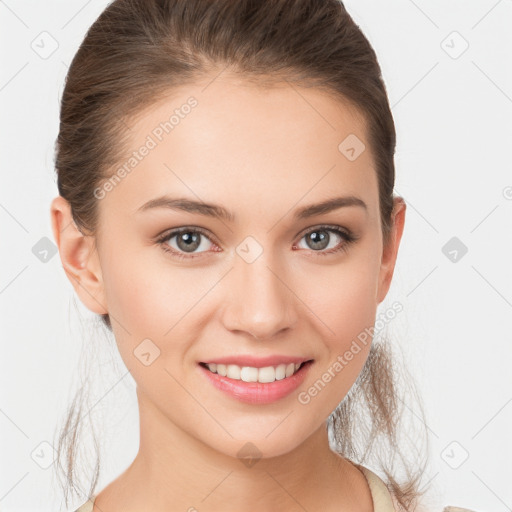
{"x": 227, "y": 138}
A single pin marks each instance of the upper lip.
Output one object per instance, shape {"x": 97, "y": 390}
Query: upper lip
{"x": 257, "y": 362}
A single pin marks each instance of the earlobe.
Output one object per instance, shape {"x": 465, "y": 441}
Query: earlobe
{"x": 390, "y": 250}
{"x": 78, "y": 256}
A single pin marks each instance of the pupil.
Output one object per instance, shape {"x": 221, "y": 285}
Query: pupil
{"x": 188, "y": 241}
{"x": 320, "y": 239}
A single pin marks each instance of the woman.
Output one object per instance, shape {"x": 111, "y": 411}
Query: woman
{"x": 225, "y": 175}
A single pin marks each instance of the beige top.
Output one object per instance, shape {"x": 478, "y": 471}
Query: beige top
{"x": 382, "y": 501}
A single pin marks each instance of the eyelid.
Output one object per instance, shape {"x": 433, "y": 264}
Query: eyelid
{"x": 175, "y": 231}
{"x": 348, "y": 235}
{"x": 169, "y": 233}
{"x": 333, "y": 227}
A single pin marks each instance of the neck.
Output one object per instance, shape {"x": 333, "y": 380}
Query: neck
{"x": 176, "y": 471}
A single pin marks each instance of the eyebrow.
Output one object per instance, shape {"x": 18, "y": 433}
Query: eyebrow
{"x": 219, "y": 212}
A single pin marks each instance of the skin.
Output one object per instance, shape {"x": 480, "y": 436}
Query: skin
{"x": 261, "y": 153}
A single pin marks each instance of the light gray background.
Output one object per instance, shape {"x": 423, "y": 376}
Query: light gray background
{"x": 453, "y": 116}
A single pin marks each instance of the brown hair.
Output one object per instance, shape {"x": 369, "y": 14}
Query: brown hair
{"x": 137, "y": 51}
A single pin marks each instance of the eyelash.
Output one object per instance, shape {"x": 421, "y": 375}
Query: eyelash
{"x": 346, "y": 235}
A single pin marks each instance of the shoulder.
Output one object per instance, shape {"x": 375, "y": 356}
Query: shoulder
{"x": 457, "y": 509}
{"x": 385, "y": 500}
{"x": 423, "y": 508}
{"x": 86, "y": 507}
{"x": 448, "y": 508}
{"x": 382, "y": 498}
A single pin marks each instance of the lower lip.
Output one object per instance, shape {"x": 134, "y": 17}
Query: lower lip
{"x": 257, "y": 392}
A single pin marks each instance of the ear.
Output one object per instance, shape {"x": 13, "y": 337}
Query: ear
{"x": 79, "y": 257}
{"x": 390, "y": 250}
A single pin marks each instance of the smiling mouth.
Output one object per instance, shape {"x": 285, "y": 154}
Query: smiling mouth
{"x": 263, "y": 375}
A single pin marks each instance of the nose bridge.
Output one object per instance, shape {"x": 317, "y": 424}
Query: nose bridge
{"x": 260, "y": 302}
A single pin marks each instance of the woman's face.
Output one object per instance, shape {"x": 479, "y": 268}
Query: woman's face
{"x": 262, "y": 280}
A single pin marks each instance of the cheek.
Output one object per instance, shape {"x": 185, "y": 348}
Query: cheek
{"x": 150, "y": 311}
{"x": 150, "y": 300}
{"x": 344, "y": 301}
{"x": 142, "y": 293}
{"x": 344, "y": 296}
{"x": 131, "y": 296}
{"x": 350, "y": 306}
{"x": 137, "y": 304}
{"x": 350, "y": 317}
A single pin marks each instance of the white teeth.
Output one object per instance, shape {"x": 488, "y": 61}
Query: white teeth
{"x": 250, "y": 374}
{"x": 247, "y": 374}
{"x": 267, "y": 374}
{"x": 233, "y": 371}
{"x": 281, "y": 372}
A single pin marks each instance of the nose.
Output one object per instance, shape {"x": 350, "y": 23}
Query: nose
{"x": 259, "y": 302}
